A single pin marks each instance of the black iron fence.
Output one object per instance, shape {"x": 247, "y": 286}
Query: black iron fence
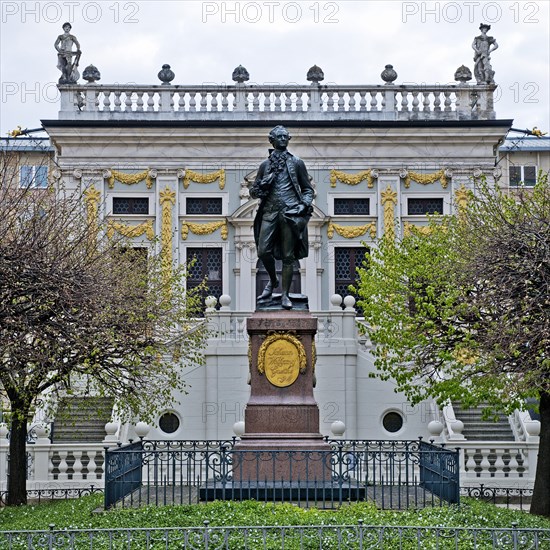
{"x": 38, "y": 496}
{"x": 335, "y": 537}
{"x": 394, "y": 474}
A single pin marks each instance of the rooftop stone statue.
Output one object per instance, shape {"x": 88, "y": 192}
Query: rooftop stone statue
{"x": 483, "y": 45}
{"x": 65, "y": 53}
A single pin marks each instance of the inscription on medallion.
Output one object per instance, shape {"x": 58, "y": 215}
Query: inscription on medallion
{"x": 282, "y": 363}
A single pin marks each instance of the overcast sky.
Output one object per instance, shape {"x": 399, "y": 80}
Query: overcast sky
{"x": 277, "y": 41}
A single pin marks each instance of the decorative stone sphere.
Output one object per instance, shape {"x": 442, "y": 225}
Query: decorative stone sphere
{"x": 91, "y": 74}
{"x": 336, "y": 300}
{"x": 338, "y": 428}
{"x": 457, "y": 426}
{"x": 210, "y": 302}
{"x": 111, "y": 428}
{"x": 240, "y": 75}
{"x": 349, "y": 302}
{"x": 166, "y": 75}
{"x": 3, "y": 430}
{"x": 315, "y": 74}
{"x": 435, "y": 427}
{"x": 388, "y": 75}
{"x": 225, "y": 300}
{"x": 141, "y": 429}
{"x": 533, "y": 427}
{"x": 238, "y": 428}
{"x": 463, "y": 74}
{"x": 41, "y": 430}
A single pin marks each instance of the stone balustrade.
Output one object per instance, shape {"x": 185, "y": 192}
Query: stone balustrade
{"x": 287, "y": 102}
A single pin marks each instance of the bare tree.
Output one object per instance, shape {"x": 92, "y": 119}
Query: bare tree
{"x": 75, "y": 304}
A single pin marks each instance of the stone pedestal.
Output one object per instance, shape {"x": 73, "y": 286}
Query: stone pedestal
{"x": 282, "y": 414}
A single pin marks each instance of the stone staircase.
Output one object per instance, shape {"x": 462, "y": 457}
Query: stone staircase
{"x": 478, "y": 429}
{"x": 82, "y": 419}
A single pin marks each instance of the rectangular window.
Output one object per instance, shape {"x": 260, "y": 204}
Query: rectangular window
{"x": 420, "y": 207}
{"x": 35, "y": 177}
{"x": 346, "y": 262}
{"x": 208, "y": 264}
{"x": 206, "y": 206}
{"x": 352, "y": 207}
{"x": 523, "y": 175}
{"x": 131, "y": 205}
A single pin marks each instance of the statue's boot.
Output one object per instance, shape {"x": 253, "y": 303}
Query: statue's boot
{"x": 268, "y": 290}
{"x": 288, "y": 271}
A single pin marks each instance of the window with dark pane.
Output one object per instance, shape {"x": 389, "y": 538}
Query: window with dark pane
{"x": 352, "y": 207}
{"x": 33, "y": 177}
{"x": 169, "y": 423}
{"x": 530, "y": 175}
{"x": 346, "y": 262}
{"x": 392, "y": 422}
{"x": 207, "y": 263}
{"x": 203, "y": 206}
{"x": 515, "y": 175}
{"x": 419, "y": 207}
{"x": 131, "y": 205}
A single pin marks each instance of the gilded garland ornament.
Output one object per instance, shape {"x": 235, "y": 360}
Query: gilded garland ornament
{"x": 351, "y": 231}
{"x": 167, "y": 200}
{"x": 410, "y": 228}
{"x": 281, "y": 358}
{"x": 91, "y": 198}
{"x": 130, "y": 179}
{"x": 131, "y": 231}
{"x": 352, "y": 179}
{"x": 426, "y": 179}
{"x": 196, "y": 177}
{"x": 462, "y": 197}
{"x": 204, "y": 228}
{"x": 389, "y": 201}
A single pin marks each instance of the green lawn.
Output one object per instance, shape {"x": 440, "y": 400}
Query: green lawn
{"x": 79, "y": 514}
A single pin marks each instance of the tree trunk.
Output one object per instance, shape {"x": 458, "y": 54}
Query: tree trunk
{"x": 17, "y": 470}
{"x": 541, "y": 493}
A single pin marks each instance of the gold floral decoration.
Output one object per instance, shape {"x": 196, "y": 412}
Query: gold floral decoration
{"x": 167, "y": 200}
{"x": 410, "y": 228}
{"x": 426, "y": 179}
{"x": 302, "y": 361}
{"x": 130, "y": 179}
{"x": 190, "y": 176}
{"x": 389, "y": 201}
{"x": 204, "y": 228}
{"x": 351, "y": 179}
{"x": 462, "y": 197}
{"x": 131, "y": 231}
{"x": 351, "y": 231}
{"x": 91, "y": 198}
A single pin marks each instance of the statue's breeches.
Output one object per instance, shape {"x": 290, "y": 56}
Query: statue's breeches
{"x": 276, "y": 238}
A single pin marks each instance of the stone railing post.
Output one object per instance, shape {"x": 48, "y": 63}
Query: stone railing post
{"x": 240, "y": 97}
{"x": 463, "y": 102}
{"x": 165, "y": 101}
{"x": 67, "y": 103}
{"x": 4, "y": 446}
{"x": 389, "y": 100}
{"x": 90, "y": 99}
{"x": 41, "y": 450}
{"x": 348, "y": 321}
{"x": 315, "y": 98}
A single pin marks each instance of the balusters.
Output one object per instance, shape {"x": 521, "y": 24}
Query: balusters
{"x": 225, "y": 102}
{"x": 330, "y": 102}
{"x": 267, "y": 101}
{"x": 255, "y": 100}
{"x": 426, "y": 102}
{"x": 181, "y": 102}
{"x": 404, "y": 101}
{"x": 204, "y": 101}
{"x": 415, "y": 102}
{"x": 106, "y": 101}
{"x": 193, "y": 102}
{"x": 447, "y": 101}
{"x": 288, "y": 101}
{"x": 437, "y": 102}
{"x": 341, "y": 102}
{"x": 214, "y": 101}
{"x": 128, "y": 101}
{"x": 150, "y": 101}
{"x": 277, "y": 101}
{"x": 374, "y": 101}
{"x": 351, "y": 103}
{"x": 139, "y": 102}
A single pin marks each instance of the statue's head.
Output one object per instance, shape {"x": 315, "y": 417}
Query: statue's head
{"x": 67, "y": 27}
{"x": 279, "y": 137}
{"x": 484, "y": 27}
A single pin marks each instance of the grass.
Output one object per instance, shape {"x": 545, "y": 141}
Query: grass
{"x": 79, "y": 514}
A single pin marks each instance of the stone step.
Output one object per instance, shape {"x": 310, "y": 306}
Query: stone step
{"x": 82, "y": 419}
{"x": 476, "y": 428}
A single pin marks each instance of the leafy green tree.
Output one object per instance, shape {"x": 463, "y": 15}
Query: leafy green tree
{"x": 463, "y": 312}
{"x": 77, "y": 306}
